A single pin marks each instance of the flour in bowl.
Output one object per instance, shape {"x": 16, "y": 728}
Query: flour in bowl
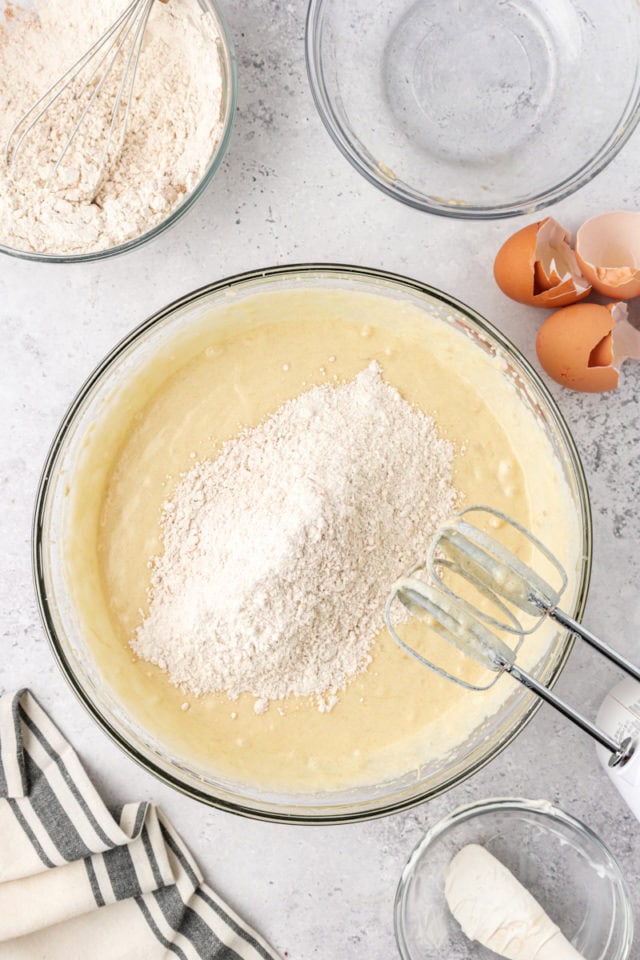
{"x": 280, "y": 552}
{"x": 174, "y": 126}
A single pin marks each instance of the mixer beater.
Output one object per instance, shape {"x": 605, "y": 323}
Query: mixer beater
{"x": 512, "y": 599}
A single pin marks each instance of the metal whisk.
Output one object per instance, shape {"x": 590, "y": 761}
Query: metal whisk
{"x": 512, "y": 598}
{"x": 122, "y": 41}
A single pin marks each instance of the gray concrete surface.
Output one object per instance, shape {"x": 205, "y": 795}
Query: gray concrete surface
{"x": 284, "y": 194}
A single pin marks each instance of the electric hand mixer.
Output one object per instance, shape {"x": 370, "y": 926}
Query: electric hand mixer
{"x": 513, "y": 599}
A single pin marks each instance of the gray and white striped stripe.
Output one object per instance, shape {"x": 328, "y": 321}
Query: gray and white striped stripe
{"x": 135, "y": 854}
{"x": 13, "y": 780}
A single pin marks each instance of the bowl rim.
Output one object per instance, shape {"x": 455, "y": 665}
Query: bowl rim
{"x": 230, "y": 74}
{"x": 541, "y": 808}
{"x": 603, "y": 156}
{"x": 265, "y": 810}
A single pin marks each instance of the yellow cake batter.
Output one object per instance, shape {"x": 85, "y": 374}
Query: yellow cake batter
{"x": 233, "y": 369}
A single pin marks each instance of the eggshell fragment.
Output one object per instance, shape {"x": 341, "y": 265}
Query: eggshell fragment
{"x": 608, "y": 252}
{"x": 537, "y": 266}
{"x": 575, "y": 348}
{"x": 625, "y": 337}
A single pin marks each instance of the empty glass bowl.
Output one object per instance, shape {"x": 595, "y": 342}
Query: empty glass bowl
{"x": 565, "y": 866}
{"x": 476, "y": 108}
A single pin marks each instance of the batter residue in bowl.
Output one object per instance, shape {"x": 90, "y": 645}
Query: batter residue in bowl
{"x": 230, "y": 371}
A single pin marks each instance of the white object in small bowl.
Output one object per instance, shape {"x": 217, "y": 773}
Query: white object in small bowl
{"x": 494, "y": 909}
{"x": 565, "y": 867}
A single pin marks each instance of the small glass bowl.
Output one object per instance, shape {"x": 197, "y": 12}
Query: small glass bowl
{"x": 476, "y": 109}
{"x": 563, "y": 864}
{"x": 226, "y": 54}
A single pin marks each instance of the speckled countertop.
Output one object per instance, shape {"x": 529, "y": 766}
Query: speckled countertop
{"x": 285, "y": 194}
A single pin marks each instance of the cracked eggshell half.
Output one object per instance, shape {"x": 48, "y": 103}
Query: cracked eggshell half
{"x": 608, "y": 252}
{"x": 537, "y": 266}
{"x": 575, "y": 346}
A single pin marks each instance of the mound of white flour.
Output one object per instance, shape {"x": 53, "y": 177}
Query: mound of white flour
{"x": 279, "y": 554}
{"x": 173, "y": 126}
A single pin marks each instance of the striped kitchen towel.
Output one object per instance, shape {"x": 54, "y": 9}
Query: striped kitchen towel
{"x": 78, "y": 881}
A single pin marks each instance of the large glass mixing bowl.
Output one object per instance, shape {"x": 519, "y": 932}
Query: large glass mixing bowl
{"x": 62, "y": 623}
{"x": 476, "y": 108}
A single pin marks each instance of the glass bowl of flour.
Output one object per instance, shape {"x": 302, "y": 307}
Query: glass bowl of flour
{"x": 226, "y": 504}
{"x": 178, "y": 128}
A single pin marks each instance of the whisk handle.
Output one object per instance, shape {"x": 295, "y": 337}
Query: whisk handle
{"x": 594, "y": 641}
{"x": 621, "y": 752}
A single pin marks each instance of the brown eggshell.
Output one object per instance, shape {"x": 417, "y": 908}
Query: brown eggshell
{"x": 608, "y": 251}
{"x": 514, "y": 265}
{"x": 574, "y": 346}
{"x": 520, "y": 273}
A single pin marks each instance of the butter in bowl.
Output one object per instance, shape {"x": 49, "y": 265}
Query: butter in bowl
{"x": 494, "y": 874}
